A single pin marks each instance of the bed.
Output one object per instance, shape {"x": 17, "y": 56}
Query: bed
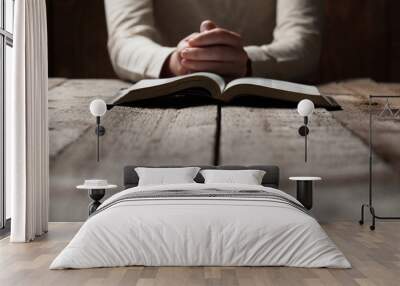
{"x": 198, "y": 224}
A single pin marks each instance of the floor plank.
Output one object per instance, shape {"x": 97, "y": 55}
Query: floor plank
{"x": 375, "y": 258}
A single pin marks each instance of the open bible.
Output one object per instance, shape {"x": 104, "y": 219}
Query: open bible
{"x": 214, "y": 86}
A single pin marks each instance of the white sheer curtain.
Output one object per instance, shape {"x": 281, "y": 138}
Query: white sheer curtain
{"x": 27, "y": 124}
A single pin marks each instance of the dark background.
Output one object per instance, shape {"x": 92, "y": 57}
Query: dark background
{"x": 361, "y": 39}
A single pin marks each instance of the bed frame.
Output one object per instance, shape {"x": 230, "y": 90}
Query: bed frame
{"x": 271, "y": 177}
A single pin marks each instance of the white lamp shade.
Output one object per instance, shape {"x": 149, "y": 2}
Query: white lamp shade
{"x": 98, "y": 107}
{"x": 305, "y": 107}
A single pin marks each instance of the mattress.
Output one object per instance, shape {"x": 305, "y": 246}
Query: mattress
{"x": 201, "y": 225}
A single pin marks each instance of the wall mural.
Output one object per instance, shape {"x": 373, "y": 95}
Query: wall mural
{"x": 173, "y": 130}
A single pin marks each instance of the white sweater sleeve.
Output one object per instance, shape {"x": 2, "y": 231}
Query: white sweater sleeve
{"x": 133, "y": 39}
{"x": 295, "y": 49}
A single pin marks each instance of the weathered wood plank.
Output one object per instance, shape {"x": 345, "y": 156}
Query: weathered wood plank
{"x": 55, "y": 81}
{"x": 355, "y": 115}
{"x": 269, "y": 136}
{"x": 69, "y": 114}
{"x": 374, "y": 257}
{"x": 253, "y": 135}
{"x": 148, "y": 136}
{"x": 151, "y": 135}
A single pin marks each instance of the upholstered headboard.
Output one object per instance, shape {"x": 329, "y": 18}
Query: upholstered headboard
{"x": 271, "y": 177}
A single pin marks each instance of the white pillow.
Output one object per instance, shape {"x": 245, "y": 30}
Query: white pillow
{"x": 164, "y": 176}
{"x": 248, "y": 177}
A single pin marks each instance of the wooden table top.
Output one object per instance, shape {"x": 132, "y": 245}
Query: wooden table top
{"x": 203, "y": 135}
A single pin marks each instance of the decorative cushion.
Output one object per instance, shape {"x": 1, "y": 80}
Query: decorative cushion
{"x": 163, "y": 176}
{"x": 248, "y": 177}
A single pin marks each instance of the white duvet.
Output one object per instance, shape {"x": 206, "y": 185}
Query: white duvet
{"x": 200, "y": 231}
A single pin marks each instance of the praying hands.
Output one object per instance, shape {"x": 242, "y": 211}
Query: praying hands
{"x": 213, "y": 49}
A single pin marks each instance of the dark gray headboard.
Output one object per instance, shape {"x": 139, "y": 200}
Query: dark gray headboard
{"x": 271, "y": 177}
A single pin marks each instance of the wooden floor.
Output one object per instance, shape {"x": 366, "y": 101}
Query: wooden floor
{"x": 375, "y": 257}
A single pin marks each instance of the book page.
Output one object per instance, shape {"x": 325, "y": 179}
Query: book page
{"x": 218, "y": 79}
{"x": 146, "y": 83}
{"x": 153, "y": 88}
{"x": 276, "y": 84}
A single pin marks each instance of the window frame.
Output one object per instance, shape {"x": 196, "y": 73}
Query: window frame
{"x": 6, "y": 39}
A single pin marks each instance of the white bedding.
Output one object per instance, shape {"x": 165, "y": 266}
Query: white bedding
{"x": 200, "y": 231}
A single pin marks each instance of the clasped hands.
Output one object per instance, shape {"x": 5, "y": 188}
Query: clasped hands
{"x": 214, "y": 49}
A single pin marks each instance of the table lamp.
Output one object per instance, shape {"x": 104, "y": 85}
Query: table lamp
{"x": 98, "y": 108}
{"x": 305, "y": 108}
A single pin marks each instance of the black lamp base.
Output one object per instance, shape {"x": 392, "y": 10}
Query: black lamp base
{"x": 100, "y": 130}
{"x": 303, "y": 130}
{"x": 96, "y": 195}
{"x": 305, "y": 193}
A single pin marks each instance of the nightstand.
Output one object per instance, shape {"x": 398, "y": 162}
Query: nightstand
{"x": 305, "y": 190}
{"x": 96, "y": 190}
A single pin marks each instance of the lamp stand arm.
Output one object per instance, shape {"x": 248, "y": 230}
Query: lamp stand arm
{"x": 305, "y": 148}
{"x": 98, "y": 137}
{"x": 305, "y": 138}
{"x": 98, "y": 147}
